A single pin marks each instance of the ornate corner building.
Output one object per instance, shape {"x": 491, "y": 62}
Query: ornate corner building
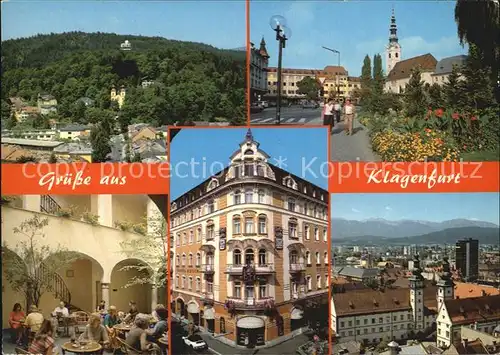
{"x": 249, "y": 258}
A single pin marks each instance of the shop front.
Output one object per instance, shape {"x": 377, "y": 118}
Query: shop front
{"x": 250, "y": 331}
{"x": 209, "y": 319}
{"x": 297, "y": 319}
{"x": 193, "y": 310}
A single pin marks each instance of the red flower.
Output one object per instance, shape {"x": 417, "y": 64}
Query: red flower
{"x": 439, "y": 112}
{"x": 455, "y": 116}
{"x": 473, "y": 118}
{"x": 465, "y": 147}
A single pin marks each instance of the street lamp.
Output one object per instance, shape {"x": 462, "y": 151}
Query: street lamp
{"x": 337, "y": 77}
{"x": 283, "y": 33}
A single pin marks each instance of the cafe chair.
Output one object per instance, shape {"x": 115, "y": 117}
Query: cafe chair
{"x": 125, "y": 348}
{"x": 81, "y": 319}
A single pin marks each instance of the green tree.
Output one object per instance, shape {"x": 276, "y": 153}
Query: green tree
{"x": 414, "y": 96}
{"x": 41, "y": 122}
{"x": 52, "y": 159}
{"x": 435, "y": 96}
{"x": 11, "y": 122}
{"x": 366, "y": 80}
{"x": 309, "y": 86}
{"x": 6, "y": 111}
{"x": 454, "y": 90}
{"x": 100, "y": 142}
{"x": 29, "y": 265}
{"x": 377, "y": 88}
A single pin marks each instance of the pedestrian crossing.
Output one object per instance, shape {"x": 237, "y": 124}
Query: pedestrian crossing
{"x": 286, "y": 120}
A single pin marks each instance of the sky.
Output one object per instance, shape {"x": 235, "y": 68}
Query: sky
{"x": 210, "y": 149}
{"x": 218, "y": 23}
{"x": 354, "y": 28}
{"x": 434, "y": 207}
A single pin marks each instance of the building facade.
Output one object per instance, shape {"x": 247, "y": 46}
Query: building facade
{"x": 400, "y": 75}
{"x": 333, "y": 82}
{"x": 249, "y": 251}
{"x": 445, "y": 66}
{"x": 93, "y": 227}
{"x": 258, "y": 71}
{"x": 467, "y": 258}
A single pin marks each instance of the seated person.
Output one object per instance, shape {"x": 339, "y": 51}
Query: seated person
{"x": 110, "y": 320}
{"x": 34, "y": 320}
{"x": 154, "y": 314}
{"x": 60, "y": 316}
{"x": 132, "y": 313}
{"x": 43, "y": 343}
{"x": 94, "y": 331}
{"x": 160, "y": 327}
{"x": 101, "y": 308}
{"x": 15, "y": 318}
{"x": 137, "y": 337}
{"x": 61, "y": 310}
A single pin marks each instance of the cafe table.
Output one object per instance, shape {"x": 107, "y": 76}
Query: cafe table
{"x": 163, "y": 342}
{"x": 122, "y": 327}
{"x": 78, "y": 348}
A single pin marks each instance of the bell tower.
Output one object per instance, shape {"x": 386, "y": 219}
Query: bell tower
{"x": 393, "y": 49}
{"x": 446, "y": 287}
{"x": 417, "y": 295}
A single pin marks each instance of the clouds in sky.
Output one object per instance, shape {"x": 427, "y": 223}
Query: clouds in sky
{"x": 388, "y": 208}
{"x": 355, "y": 210}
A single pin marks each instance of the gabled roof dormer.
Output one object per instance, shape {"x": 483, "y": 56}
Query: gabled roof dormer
{"x": 249, "y": 150}
{"x": 214, "y": 183}
{"x": 288, "y": 181}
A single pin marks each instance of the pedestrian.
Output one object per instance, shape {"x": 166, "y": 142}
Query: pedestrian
{"x": 328, "y": 115}
{"x": 337, "y": 108}
{"x": 349, "y": 113}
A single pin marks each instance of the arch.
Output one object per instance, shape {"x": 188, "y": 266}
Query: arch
{"x": 132, "y": 279}
{"x": 193, "y": 307}
{"x": 173, "y": 206}
{"x": 214, "y": 183}
{"x": 249, "y": 256}
{"x": 294, "y": 257}
{"x": 288, "y": 181}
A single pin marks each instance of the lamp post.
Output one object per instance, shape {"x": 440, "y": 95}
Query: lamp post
{"x": 283, "y": 33}
{"x": 337, "y": 77}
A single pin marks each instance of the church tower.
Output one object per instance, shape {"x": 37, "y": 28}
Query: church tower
{"x": 393, "y": 49}
{"x": 446, "y": 287}
{"x": 417, "y": 295}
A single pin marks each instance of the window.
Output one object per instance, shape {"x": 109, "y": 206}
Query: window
{"x": 237, "y": 289}
{"x": 183, "y": 259}
{"x": 211, "y": 206}
{"x": 309, "y": 283}
{"x": 190, "y": 283}
{"x": 198, "y": 235}
{"x": 190, "y": 259}
{"x": 249, "y": 225}
{"x": 177, "y": 281}
{"x": 198, "y": 284}
{"x": 183, "y": 285}
{"x": 249, "y": 291}
{"x": 178, "y": 260}
{"x": 249, "y": 196}
{"x": 325, "y": 258}
{"x": 178, "y": 240}
{"x": 316, "y": 233}
{"x": 210, "y": 232}
{"x": 325, "y": 235}
{"x": 237, "y": 171}
{"x": 210, "y": 287}
{"x": 198, "y": 259}
{"x": 262, "y": 196}
{"x": 260, "y": 170}
{"x": 236, "y": 225}
{"x": 191, "y": 237}
{"x": 292, "y": 229}
{"x": 237, "y": 197}
{"x": 291, "y": 204}
{"x": 249, "y": 169}
{"x": 318, "y": 282}
{"x": 308, "y": 257}
{"x": 184, "y": 239}
{"x": 306, "y": 231}
{"x": 262, "y": 224}
{"x": 318, "y": 260}
{"x": 262, "y": 289}
{"x": 249, "y": 257}
{"x": 237, "y": 257}
{"x": 262, "y": 257}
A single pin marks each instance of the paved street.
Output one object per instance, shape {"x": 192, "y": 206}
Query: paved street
{"x": 351, "y": 148}
{"x": 289, "y": 115}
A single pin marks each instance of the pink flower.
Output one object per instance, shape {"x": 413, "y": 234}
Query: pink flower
{"x": 455, "y": 116}
{"x": 473, "y": 118}
{"x": 439, "y": 112}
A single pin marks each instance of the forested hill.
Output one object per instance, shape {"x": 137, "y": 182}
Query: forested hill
{"x": 43, "y": 49}
{"x": 192, "y": 81}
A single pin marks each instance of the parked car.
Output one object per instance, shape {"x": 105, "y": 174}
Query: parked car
{"x": 264, "y": 104}
{"x": 195, "y": 342}
{"x": 310, "y": 105}
{"x": 256, "y": 108}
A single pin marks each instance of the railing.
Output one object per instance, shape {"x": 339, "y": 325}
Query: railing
{"x": 55, "y": 284}
{"x": 259, "y": 268}
{"x": 250, "y": 302}
{"x": 295, "y": 236}
{"x": 49, "y": 205}
{"x": 298, "y": 295}
{"x": 207, "y": 296}
{"x": 297, "y": 267}
{"x": 207, "y": 268}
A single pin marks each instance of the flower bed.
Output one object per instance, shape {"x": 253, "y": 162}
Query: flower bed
{"x": 439, "y": 136}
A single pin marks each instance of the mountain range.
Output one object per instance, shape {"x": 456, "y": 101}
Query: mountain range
{"x": 379, "y": 230}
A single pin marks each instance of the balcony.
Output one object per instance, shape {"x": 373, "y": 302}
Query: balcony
{"x": 207, "y": 296}
{"x": 260, "y": 269}
{"x": 297, "y": 267}
{"x": 209, "y": 237}
{"x": 207, "y": 268}
{"x": 250, "y": 302}
{"x": 298, "y": 295}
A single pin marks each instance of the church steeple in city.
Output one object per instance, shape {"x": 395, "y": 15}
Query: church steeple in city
{"x": 263, "y": 49}
{"x": 393, "y": 49}
{"x": 446, "y": 286}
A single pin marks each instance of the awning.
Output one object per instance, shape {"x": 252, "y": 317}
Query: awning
{"x": 250, "y": 322}
{"x": 209, "y": 314}
{"x": 193, "y": 308}
{"x": 296, "y": 314}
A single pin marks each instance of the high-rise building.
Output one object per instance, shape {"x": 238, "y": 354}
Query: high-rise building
{"x": 250, "y": 251}
{"x": 467, "y": 258}
{"x": 393, "y": 49}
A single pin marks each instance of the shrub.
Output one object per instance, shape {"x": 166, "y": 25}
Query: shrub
{"x": 90, "y": 218}
{"x": 124, "y": 225}
{"x": 140, "y": 228}
{"x": 66, "y": 212}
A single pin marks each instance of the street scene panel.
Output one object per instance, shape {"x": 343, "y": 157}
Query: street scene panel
{"x": 101, "y": 82}
{"x": 248, "y": 242}
{"x": 415, "y": 273}
{"x": 402, "y": 89}
{"x": 81, "y": 272}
